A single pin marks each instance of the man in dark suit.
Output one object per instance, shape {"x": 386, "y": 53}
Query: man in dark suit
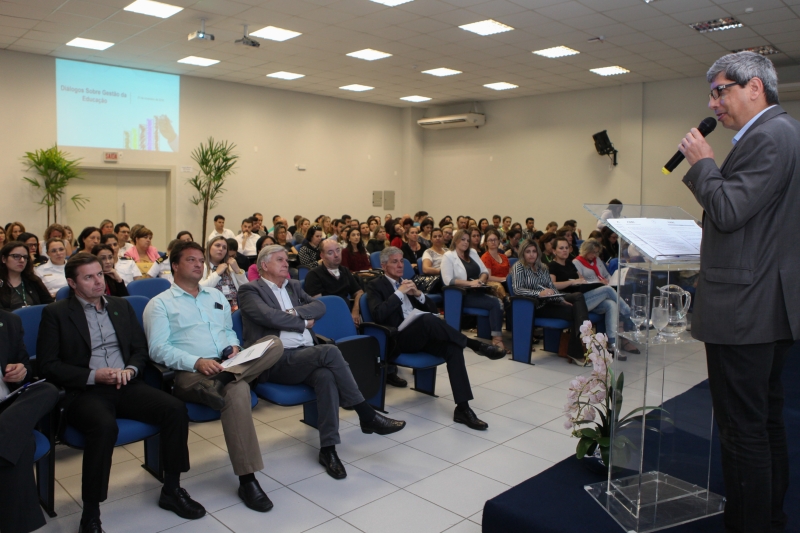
{"x": 747, "y": 309}
{"x": 392, "y": 299}
{"x": 275, "y": 305}
{"x": 19, "y": 500}
{"x": 93, "y": 346}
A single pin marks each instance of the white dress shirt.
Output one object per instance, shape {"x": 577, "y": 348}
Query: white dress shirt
{"x": 248, "y": 247}
{"x": 290, "y": 339}
{"x": 406, "y": 306}
{"x": 52, "y": 276}
{"x": 228, "y": 234}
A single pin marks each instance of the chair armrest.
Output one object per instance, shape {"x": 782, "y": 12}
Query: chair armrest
{"x": 159, "y": 376}
{"x": 454, "y": 288}
{"x": 525, "y": 298}
{"x": 388, "y": 330}
{"x": 324, "y": 340}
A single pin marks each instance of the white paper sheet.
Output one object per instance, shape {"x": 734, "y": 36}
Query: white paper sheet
{"x": 412, "y": 316}
{"x": 659, "y": 238}
{"x": 253, "y": 352}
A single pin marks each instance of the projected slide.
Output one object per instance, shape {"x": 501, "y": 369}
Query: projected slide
{"x": 113, "y": 107}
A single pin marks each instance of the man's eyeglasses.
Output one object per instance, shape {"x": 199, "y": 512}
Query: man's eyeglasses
{"x": 716, "y": 91}
{"x": 18, "y": 257}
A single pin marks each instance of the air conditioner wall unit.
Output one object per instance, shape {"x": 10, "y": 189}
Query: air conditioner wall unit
{"x": 466, "y": 120}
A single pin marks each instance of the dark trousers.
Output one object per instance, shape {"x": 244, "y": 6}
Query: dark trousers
{"x": 323, "y": 368}
{"x": 432, "y": 335}
{"x": 94, "y": 413}
{"x": 481, "y": 300}
{"x": 747, "y": 395}
{"x": 575, "y": 313}
{"x": 19, "y": 499}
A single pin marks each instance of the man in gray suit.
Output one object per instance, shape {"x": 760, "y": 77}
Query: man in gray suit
{"x": 275, "y": 305}
{"x": 748, "y": 297}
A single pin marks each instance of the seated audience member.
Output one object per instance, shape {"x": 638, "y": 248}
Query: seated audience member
{"x": 294, "y": 227}
{"x": 247, "y": 239}
{"x": 432, "y": 257}
{"x": 363, "y": 229}
{"x": 462, "y": 267}
{"x": 413, "y": 249}
{"x": 309, "y": 255}
{"x": 566, "y": 233}
{"x": 599, "y": 298}
{"x": 327, "y": 228}
{"x": 531, "y": 278}
{"x": 546, "y": 243}
{"x": 2, "y": 237}
{"x": 447, "y": 236}
{"x": 512, "y": 244}
{"x": 103, "y": 379}
{"x": 354, "y": 255}
{"x": 115, "y": 285}
{"x": 276, "y": 219}
{"x": 281, "y": 235}
{"x": 13, "y": 230}
{"x": 373, "y": 223}
{"x": 504, "y": 228}
{"x": 472, "y": 223}
{"x": 20, "y": 287}
{"x": 302, "y": 228}
{"x": 596, "y": 235}
{"x": 106, "y": 227}
{"x": 530, "y": 230}
{"x": 461, "y": 222}
{"x": 407, "y": 222}
{"x": 161, "y": 268}
{"x": 446, "y": 221}
{"x": 52, "y": 272}
{"x": 425, "y": 229}
{"x": 258, "y": 224}
{"x": 614, "y": 210}
{"x": 125, "y": 266}
{"x": 189, "y": 329}
{"x": 332, "y": 277}
{"x": 576, "y": 231}
{"x": 337, "y": 229}
{"x": 399, "y": 237}
{"x": 19, "y": 498}
{"x": 379, "y": 241}
{"x": 185, "y": 236}
{"x": 123, "y": 233}
{"x": 233, "y": 252}
{"x": 608, "y": 239}
{"x": 53, "y": 231}
{"x": 222, "y": 272}
{"x": 496, "y": 263}
{"x": 391, "y": 299}
{"x": 31, "y": 242}
{"x": 88, "y": 239}
{"x": 142, "y": 252}
{"x": 588, "y": 265}
{"x": 483, "y": 225}
{"x": 551, "y": 227}
{"x": 252, "y": 270}
{"x": 219, "y": 229}
{"x": 274, "y": 305}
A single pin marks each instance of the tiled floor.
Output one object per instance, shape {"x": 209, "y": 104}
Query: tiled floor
{"x": 433, "y": 476}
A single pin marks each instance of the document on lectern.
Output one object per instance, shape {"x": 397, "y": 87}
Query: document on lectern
{"x": 660, "y": 238}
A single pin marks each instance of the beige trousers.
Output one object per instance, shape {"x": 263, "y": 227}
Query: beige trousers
{"x": 236, "y": 414}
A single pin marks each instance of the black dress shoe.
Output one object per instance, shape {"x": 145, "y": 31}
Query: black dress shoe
{"x": 207, "y": 392}
{"x": 254, "y": 497}
{"x": 492, "y": 352}
{"x": 469, "y": 418}
{"x": 396, "y": 381}
{"x": 179, "y": 502}
{"x": 91, "y": 525}
{"x": 332, "y": 464}
{"x": 382, "y": 425}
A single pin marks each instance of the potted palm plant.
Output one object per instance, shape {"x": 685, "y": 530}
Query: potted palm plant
{"x": 215, "y": 161}
{"x": 54, "y": 170}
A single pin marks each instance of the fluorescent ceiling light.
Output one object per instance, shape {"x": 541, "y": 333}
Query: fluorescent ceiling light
{"x": 441, "y": 72}
{"x": 764, "y": 50}
{"x": 80, "y": 42}
{"x": 275, "y": 34}
{"x": 369, "y": 54}
{"x": 154, "y": 9}
{"x": 415, "y": 98}
{"x": 727, "y": 23}
{"x": 501, "y": 86}
{"x": 556, "y": 51}
{"x": 199, "y": 61}
{"x": 391, "y": 3}
{"x": 609, "y": 71}
{"x": 486, "y": 27}
{"x": 357, "y": 88}
{"x": 285, "y": 75}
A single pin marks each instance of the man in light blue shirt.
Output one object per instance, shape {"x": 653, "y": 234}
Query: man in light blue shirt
{"x": 189, "y": 329}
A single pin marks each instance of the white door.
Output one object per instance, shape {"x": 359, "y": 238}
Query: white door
{"x": 132, "y": 196}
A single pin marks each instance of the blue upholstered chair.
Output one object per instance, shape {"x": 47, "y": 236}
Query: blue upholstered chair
{"x": 454, "y": 308}
{"x": 138, "y": 303}
{"x": 302, "y": 272}
{"x": 613, "y": 265}
{"x": 30, "y": 316}
{"x": 375, "y": 260}
{"x": 149, "y": 287}
{"x": 62, "y": 293}
{"x": 408, "y": 270}
{"x": 423, "y": 364}
{"x": 511, "y": 261}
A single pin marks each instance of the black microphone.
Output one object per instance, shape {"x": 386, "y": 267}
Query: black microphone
{"x": 705, "y": 127}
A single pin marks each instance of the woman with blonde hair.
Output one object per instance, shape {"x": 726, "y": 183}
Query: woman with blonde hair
{"x": 142, "y": 250}
{"x": 222, "y": 272}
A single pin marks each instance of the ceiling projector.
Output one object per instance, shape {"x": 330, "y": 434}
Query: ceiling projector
{"x": 201, "y": 35}
{"x": 247, "y": 41}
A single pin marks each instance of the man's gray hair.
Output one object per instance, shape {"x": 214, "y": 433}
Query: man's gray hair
{"x": 388, "y": 252}
{"x": 266, "y": 254}
{"x": 742, "y": 67}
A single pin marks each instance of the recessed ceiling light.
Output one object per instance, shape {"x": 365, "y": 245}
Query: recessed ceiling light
{"x": 391, "y": 3}
{"x": 275, "y": 34}
{"x": 369, "y": 54}
{"x": 609, "y": 71}
{"x": 727, "y": 23}
{"x": 486, "y": 27}
{"x": 154, "y": 9}
{"x": 556, "y": 51}
{"x": 415, "y": 98}
{"x": 764, "y": 50}
{"x": 501, "y": 86}
{"x": 357, "y": 88}
{"x": 199, "y": 61}
{"x": 285, "y": 75}
{"x": 441, "y": 72}
{"x": 89, "y": 43}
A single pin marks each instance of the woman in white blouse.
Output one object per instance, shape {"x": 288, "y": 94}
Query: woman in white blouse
{"x": 462, "y": 267}
{"x": 432, "y": 257}
{"x": 52, "y": 272}
{"x": 222, "y": 272}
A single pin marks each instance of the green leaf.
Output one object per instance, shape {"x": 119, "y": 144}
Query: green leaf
{"x": 583, "y": 447}
{"x": 589, "y": 432}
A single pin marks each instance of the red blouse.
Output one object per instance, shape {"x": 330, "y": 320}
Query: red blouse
{"x": 498, "y": 270}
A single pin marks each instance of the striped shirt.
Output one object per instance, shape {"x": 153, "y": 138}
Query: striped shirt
{"x": 529, "y": 282}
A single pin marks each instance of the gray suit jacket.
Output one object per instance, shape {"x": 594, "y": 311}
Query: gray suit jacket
{"x": 262, "y": 314}
{"x": 749, "y": 286}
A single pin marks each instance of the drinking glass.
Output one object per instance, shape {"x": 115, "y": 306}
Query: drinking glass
{"x": 660, "y": 317}
{"x": 638, "y": 311}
